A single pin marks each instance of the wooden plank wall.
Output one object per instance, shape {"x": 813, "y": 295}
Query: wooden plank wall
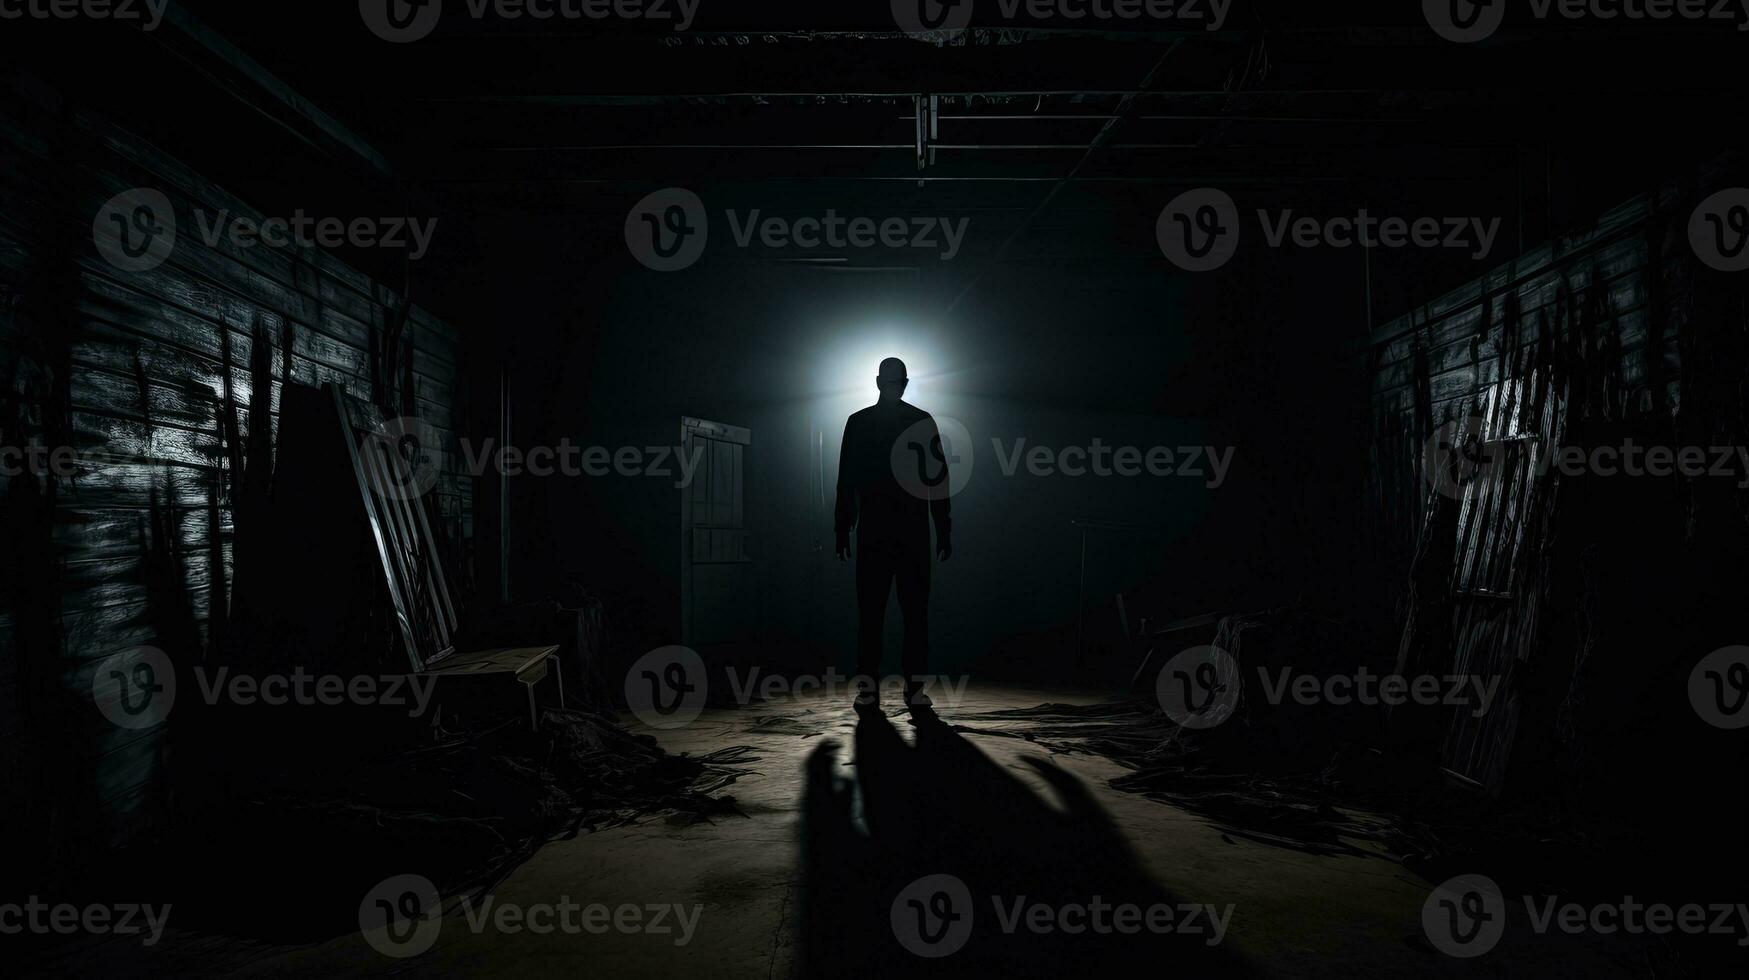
{"x": 1433, "y": 364}
{"x": 1463, "y": 354}
{"x": 172, "y": 325}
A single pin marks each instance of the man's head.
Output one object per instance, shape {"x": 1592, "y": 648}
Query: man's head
{"x": 892, "y": 379}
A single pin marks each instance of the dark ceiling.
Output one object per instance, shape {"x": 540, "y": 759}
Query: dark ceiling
{"x": 1287, "y": 92}
{"x": 1039, "y": 122}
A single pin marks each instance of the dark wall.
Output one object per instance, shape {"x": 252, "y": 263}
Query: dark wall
{"x": 158, "y": 381}
{"x": 1605, "y": 585}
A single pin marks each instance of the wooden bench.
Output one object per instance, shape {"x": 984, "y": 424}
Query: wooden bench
{"x": 472, "y": 682}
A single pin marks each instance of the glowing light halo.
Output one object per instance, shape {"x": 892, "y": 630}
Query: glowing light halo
{"x": 853, "y": 358}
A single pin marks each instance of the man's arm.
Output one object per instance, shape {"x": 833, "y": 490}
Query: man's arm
{"x": 939, "y": 509}
{"x": 844, "y": 514}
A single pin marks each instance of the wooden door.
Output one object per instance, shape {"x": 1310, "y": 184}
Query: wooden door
{"x": 1504, "y": 522}
{"x": 716, "y": 580}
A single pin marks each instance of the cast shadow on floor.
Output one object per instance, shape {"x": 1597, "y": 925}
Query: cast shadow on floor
{"x": 959, "y": 868}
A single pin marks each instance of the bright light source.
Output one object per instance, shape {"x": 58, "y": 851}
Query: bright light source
{"x": 852, "y": 363}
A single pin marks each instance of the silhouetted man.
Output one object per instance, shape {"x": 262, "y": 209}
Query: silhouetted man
{"x": 883, "y": 443}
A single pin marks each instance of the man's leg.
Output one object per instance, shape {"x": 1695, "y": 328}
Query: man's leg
{"x": 874, "y": 579}
{"x": 913, "y": 576}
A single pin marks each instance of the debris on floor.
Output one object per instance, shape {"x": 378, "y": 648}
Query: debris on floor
{"x": 463, "y": 809}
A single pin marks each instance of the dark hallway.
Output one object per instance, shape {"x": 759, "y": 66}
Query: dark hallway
{"x": 664, "y": 487}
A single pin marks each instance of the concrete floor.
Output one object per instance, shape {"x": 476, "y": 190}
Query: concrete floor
{"x": 1296, "y": 914}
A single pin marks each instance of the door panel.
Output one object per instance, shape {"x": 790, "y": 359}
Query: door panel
{"x": 716, "y": 577}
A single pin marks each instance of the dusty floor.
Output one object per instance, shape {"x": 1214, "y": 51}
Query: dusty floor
{"x": 1295, "y": 914}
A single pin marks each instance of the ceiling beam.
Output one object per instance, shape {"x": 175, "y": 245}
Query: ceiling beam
{"x": 239, "y": 65}
{"x": 1100, "y": 140}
